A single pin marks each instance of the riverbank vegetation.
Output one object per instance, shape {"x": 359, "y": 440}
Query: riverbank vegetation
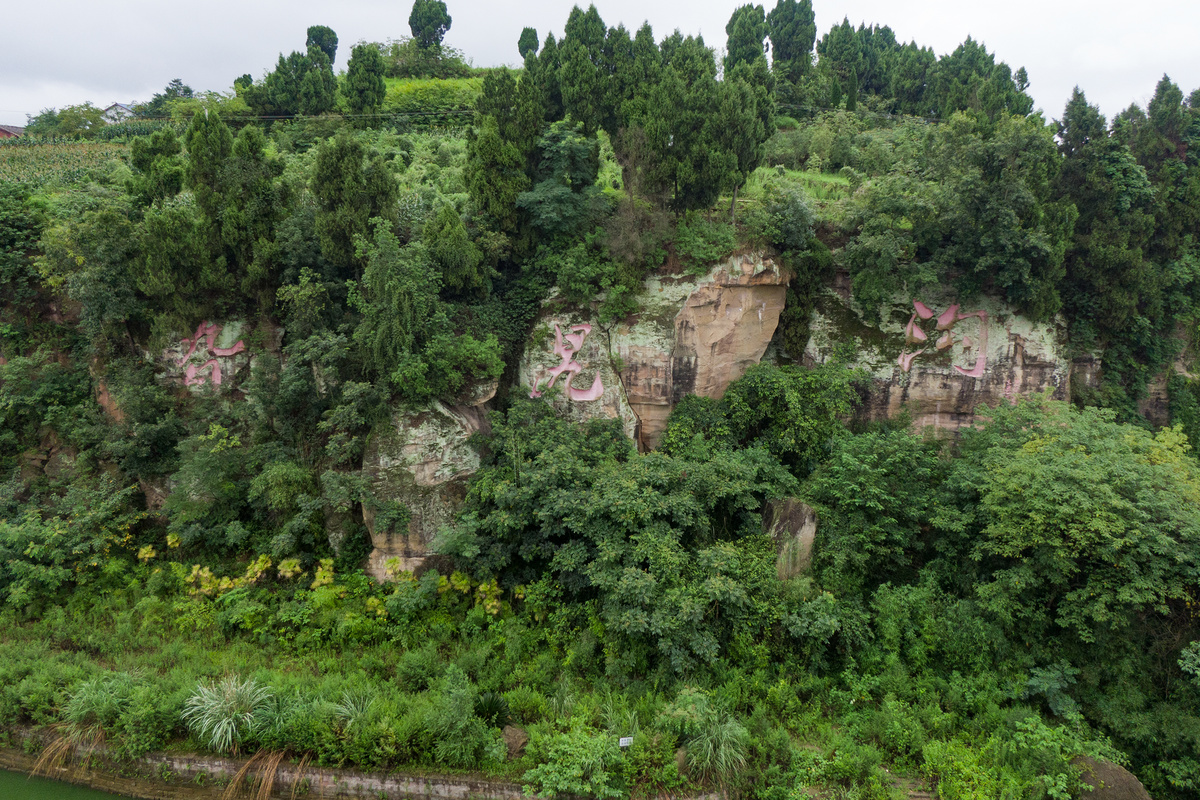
{"x": 183, "y": 569}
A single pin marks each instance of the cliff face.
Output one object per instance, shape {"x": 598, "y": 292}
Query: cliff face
{"x": 940, "y": 360}
{"x": 692, "y": 335}
{"x": 423, "y": 460}
{"x": 213, "y": 355}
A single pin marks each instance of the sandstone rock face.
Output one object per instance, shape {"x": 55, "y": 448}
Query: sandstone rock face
{"x": 569, "y": 361}
{"x": 1108, "y": 781}
{"x": 421, "y": 459}
{"x": 793, "y": 526}
{"x": 212, "y": 356}
{"x": 692, "y": 335}
{"x": 939, "y": 360}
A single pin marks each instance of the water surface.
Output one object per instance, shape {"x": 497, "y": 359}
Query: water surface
{"x": 15, "y": 786}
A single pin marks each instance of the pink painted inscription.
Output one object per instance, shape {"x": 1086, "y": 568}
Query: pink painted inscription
{"x": 566, "y": 347}
{"x": 913, "y": 334}
{"x": 192, "y": 374}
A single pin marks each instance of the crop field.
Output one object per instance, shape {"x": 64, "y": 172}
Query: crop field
{"x": 41, "y": 164}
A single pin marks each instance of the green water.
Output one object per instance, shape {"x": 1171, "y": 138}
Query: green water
{"x": 15, "y": 786}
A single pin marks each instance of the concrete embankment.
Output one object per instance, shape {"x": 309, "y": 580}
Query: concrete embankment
{"x": 170, "y": 776}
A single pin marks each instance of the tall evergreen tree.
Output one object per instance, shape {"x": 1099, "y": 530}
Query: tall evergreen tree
{"x": 1108, "y": 281}
{"x": 429, "y": 20}
{"x": 528, "y": 43}
{"x": 690, "y": 163}
{"x": 351, "y": 189}
{"x": 549, "y": 67}
{"x": 792, "y": 27}
{"x": 584, "y": 75}
{"x": 209, "y": 143}
{"x": 318, "y": 88}
{"x": 325, "y": 39}
{"x": 365, "y": 87}
{"x": 746, "y": 30}
{"x": 495, "y": 176}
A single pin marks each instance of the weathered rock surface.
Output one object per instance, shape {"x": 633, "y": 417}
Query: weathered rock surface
{"x": 211, "y": 356}
{"x": 423, "y": 460}
{"x": 569, "y": 361}
{"x": 1109, "y": 781}
{"x": 692, "y": 335}
{"x": 793, "y": 526}
{"x": 940, "y": 361}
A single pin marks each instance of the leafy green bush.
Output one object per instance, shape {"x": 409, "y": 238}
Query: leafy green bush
{"x": 578, "y": 762}
{"x": 526, "y": 705}
{"x": 493, "y": 709}
{"x": 225, "y": 713}
{"x": 699, "y": 242}
{"x": 100, "y": 701}
{"x": 150, "y": 719}
{"x": 461, "y": 739}
{"x": 42, "y": 558}
{"x": 783, "y": 217}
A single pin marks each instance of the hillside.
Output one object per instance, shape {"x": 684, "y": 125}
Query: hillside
{"x": 824, "y": 426}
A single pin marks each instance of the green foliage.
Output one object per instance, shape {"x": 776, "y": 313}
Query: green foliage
{"x": 429, "y": 22}
{"x": 564, "y": 193}
{"x": 662, "y": 560}
{"x": 442, "y": 101}
{"x": 37, "y": 393}
{"x": 323, "y": 38}
{"x": 318, "y": 87}
{"x": 576, "y": 762}
{"x": 1184, "y": 397}
{"x": 405, "y": 335}
{"x": 528, "y": 43}
{"x": 495, "y": 175}
{"x": 400, "y": 295}
{"x": 159, "y": 104}
{"x": 364, "y": 88}
{"x": 301, "y": 83}
{"x": 791, "y": 412}
{"x": 20, "y": 226}
{"x": 463, "y": 740}
{"x": 784, "y": 218}
{"x": 877, "y": 493}
{"x": 46, "y": 557}
{"x": 100, "y": 701}
{"x": 223, "y": 714}
{"x": 1029, "y": 760}
{"x": 716, "y": 743}
{"x": 997, "y": 177}
{"x": 351, "y": 188}
{"x": 451, "y": 250}
{"x": 159, "y": 169}
{"x": 78, "y": 121}
{"x": 406, "y": 58}
{"x": 210, "y": 491}
{"x": 746, "y": 29}
{"x": 90, "y": 259}
{"x": 700, "y": 242}
{"x": 793, "y": 30}
{"x": 1075, "y": 511}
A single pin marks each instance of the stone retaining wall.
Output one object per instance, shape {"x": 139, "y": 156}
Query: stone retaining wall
{"x": 166, "y": 776}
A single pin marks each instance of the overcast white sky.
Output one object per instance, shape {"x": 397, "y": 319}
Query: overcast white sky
{"x": 61, "y": 52}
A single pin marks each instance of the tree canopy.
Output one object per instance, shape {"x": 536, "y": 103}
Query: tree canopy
{"x": 429, "y": 22}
